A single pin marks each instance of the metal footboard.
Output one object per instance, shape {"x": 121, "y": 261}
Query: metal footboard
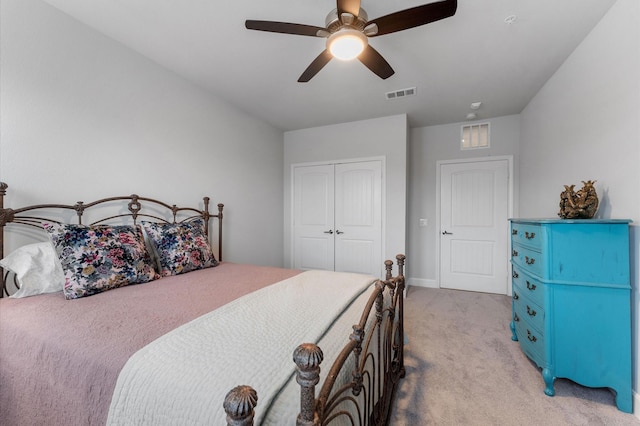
{"x": 373, "y": 358}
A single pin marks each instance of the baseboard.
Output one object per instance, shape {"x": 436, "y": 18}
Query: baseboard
{"x": 636, "y": 401}
{"x": 421, "y": 282}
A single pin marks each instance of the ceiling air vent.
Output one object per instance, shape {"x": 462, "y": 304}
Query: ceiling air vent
{"x": 401, "y": 93}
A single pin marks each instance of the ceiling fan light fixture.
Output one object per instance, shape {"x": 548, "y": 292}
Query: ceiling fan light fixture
{"x": 346, "y": 44}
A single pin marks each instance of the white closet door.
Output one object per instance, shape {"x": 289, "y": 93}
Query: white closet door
{"x": 358, "y": 217}
{"x": 313, "y": 207}
{"x": 337, "y": 214}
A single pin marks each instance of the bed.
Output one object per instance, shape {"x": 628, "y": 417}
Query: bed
{"x": 127, "y": 317}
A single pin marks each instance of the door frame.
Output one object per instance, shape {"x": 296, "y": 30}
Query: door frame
{"x": 510, "y": 203}
{"x": 383, "y": 200}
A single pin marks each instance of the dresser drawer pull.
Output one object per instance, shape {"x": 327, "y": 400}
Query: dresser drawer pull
{"x": 529, "y": 260}
{"x": 530, "y": 286}
{"x": 529, "y": 236}
{"x": 514, "y": 274}
{"x": 514, "y": 253}
{"x": 516, "y": 318}
{"x": 531, "y": 337}
{"x": 515, "y": 296}
{"x": 531, "y": 312}
{"x": 514, "y": 232}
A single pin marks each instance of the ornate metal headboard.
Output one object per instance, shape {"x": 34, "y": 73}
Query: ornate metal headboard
{"x": 132, "y": 208}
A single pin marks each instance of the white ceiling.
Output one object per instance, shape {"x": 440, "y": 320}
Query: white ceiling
{"x": 470, "y": 57}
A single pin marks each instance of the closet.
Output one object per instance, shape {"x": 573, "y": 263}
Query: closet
{"x": 337, "y": 216}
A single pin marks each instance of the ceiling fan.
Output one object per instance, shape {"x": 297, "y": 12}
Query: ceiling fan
{"x": 347, "y": 30}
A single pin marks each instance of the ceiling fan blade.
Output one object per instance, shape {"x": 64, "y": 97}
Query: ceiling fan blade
{"x": 414, "y": 17}
{"x": 348, "y": 6}
{"x": 287, "y": 28}
{"x": 376, "y": 63}
{"x": 315, "y": 66}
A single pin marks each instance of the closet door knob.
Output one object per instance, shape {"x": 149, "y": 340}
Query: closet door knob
{"x": 330, "y": 231}
{"x": 339, "y": 232}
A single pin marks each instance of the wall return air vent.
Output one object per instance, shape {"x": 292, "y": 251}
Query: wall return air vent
{"x": 403, "y": 93}
{"x": 474, "y": 136}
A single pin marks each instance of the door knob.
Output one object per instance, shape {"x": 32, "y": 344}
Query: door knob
{"x": 329, "y": 231}
{"x": 339, "y": 232}
{"x": 447, "y": 233}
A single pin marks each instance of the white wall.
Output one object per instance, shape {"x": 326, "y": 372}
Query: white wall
{"x": 427, "y": 146}
{"x": 83, "y": 117}
{"x": 585, "y": 124}
{"x": 380, "y": 137}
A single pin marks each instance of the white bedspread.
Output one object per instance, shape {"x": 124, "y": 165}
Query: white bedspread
{"x": 182, "y": 377}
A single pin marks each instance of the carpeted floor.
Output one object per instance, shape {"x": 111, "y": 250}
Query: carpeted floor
{"x": 464, "y": 369}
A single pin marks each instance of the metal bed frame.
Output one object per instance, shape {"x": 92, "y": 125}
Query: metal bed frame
{"x": 374, "y": 351}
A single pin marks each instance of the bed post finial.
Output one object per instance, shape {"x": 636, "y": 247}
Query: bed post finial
{"x": 400, "y": 258}
{"x": 308, "y": 358}
{"x": 3, "y": 192}
{"x": 206, "y": 215}
{"x": 388, "y": 265}
{"x": 239, "y": 404}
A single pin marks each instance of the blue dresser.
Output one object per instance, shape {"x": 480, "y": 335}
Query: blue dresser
{"x": 571, "y": 305}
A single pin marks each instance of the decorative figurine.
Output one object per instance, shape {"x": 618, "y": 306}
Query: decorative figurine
{"x": 582, "y": 204}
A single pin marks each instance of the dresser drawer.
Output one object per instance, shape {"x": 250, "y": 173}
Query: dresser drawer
{"x": 529, "y": 235}
{"x": 528, "y": 312}
{"x": 531, "y": 341}
{"x": 529, "y": 261}
{"x": 524, "y": 284}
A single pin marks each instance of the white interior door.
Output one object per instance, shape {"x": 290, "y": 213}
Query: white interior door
{"x": 313, "y": 209}
{"x": 358, "y": 217}
{"x": 473, "y": 226}
{"x": 338, "y": 217}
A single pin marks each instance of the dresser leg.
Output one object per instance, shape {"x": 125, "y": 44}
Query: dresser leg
{"x": 514, "y": 336}
{"x": 547, "y": 375}
{"x": 624, "y": 400}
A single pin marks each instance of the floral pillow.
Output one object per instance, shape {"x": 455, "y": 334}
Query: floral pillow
{"x": 180, "y": 247}
{"x": 99, "y": 258}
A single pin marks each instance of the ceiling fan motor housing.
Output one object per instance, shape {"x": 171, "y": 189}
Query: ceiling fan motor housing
{"x": 333, "y": 22}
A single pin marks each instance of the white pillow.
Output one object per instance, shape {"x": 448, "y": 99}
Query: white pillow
{"x": 37, "y": 268}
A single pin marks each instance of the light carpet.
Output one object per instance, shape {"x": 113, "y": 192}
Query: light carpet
{"x": 464, "y": 369}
